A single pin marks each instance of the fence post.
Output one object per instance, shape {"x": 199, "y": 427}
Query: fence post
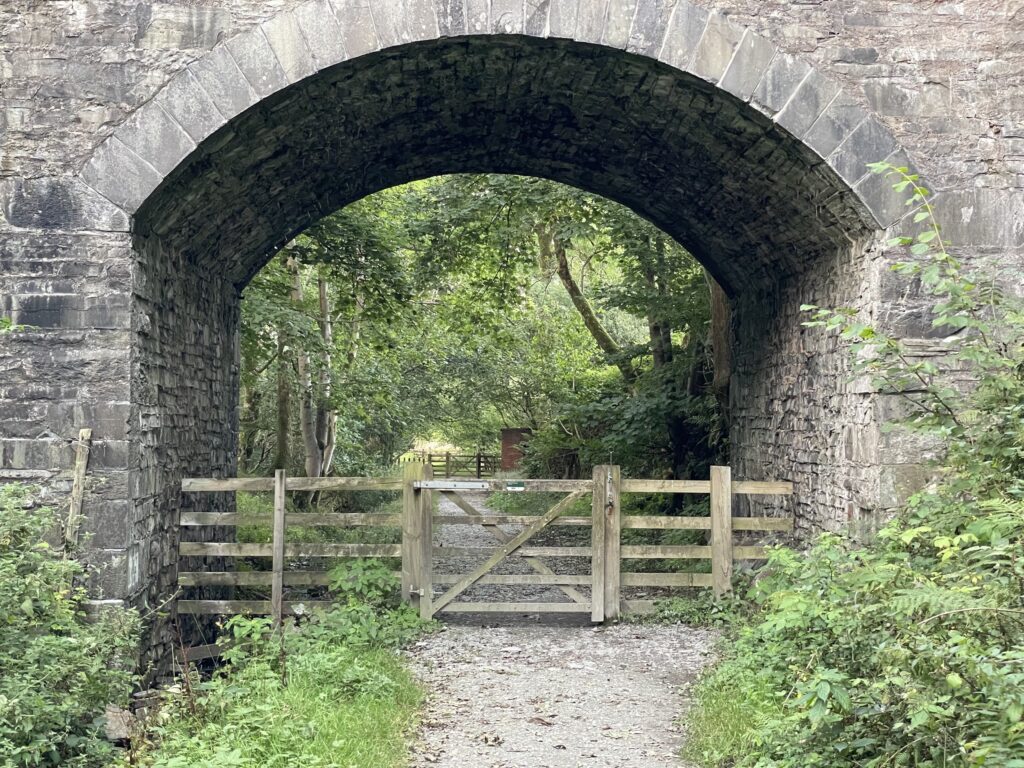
{"x": 597, "y": 544}
{"x": 721, "y": 530}
{"x": 606, "y": 505}
{"x": 479, "y": 466}
{"x": 425, "y": 580}
{"x": 412, "y": 533}
{"x": 277, "y": 578}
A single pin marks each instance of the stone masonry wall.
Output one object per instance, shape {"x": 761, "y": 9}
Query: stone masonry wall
{"x": 137, "y": 343}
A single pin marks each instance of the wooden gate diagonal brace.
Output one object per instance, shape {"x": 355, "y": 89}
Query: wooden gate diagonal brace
{"x": 505, "y": 550}
{"x": 534, "y": 562}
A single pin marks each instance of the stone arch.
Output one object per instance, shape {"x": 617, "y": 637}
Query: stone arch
{"x": 749, "y": 156}
{"x": 786, "y": 116}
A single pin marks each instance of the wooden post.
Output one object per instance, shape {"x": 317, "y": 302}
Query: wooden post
{"x": 412, "y": 533}
{"x": 447, "y": 464}
{"x": 425, "y": 580}
{"x": 479, "y": 466}
{"x": 721, "y": 530}
{"x": 598, "y": 536}
{"x": 77, "y": 489}
{"x": 613, "y": 542}
{"x": 277, "y": 578}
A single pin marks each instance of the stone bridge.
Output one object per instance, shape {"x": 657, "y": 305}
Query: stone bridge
{"x": 155, "y": 154}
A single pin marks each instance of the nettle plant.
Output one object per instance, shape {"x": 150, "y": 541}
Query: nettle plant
{"x": 967, "y": 389}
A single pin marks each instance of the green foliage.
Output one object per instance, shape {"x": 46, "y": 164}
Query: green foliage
{"x": 57, "y": 670}
{"x": 909, "y": 652}
{"x": 449, "y": 322}
{"x": 340, "y": 706}
{"x": 697, "y": 610}
{"x": 328, "y": 692}
{"x": 365, "y": 580}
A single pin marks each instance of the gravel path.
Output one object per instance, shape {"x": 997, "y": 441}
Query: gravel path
{"x": 549, "y": 691}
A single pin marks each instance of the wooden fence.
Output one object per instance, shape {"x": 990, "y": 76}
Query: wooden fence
{"x": 476, "y": 465}
{"x": 418, "y": 554}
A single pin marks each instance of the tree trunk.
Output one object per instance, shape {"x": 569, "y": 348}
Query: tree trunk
{"x": 721, "y": 350}
{"x": 326, "y": 418}
{"x": 284, "y": 416}
{"x": 550, "y": 246}
{"x": 307, "y": 411}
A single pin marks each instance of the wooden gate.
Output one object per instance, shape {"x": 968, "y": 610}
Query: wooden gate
{"x": 598, "y": 592}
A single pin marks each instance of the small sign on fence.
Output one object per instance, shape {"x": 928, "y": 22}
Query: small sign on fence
{"x": 515, "y": 485}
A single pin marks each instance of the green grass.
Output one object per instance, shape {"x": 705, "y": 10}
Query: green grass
{"x": 731, "y": 706}
{"x": 341, "y": 707}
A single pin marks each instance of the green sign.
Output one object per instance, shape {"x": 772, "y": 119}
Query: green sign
{"x": 515, "y": 485}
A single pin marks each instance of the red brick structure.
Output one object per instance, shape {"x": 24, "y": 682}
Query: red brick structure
{"x": 512, "y": 447}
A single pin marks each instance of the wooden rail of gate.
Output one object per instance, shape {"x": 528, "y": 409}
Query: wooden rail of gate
{"x": 278, "y": 550}
{"x": 448, "y": 464}
{"x": 417, "y": 552}
{"x": 607, "y": 551}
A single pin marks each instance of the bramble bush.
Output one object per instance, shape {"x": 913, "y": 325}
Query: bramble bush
{"x": 57, "y": 670}
{"x": 910, "y": 651}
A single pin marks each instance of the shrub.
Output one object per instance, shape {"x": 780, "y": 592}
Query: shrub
{"x": 910, "y": 651}
{"x": 330, "y": 691}
{"x": 57, "y": 670}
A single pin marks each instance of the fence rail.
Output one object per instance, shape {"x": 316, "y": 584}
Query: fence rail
{"x": 605, "y": 553}
{"x": 457, "y": 464}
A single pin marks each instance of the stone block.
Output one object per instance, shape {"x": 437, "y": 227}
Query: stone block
{"x": 900, "y": 481}
{"x": 324, "y": 35}
{"x": 120, "y": 175}
{"x": 869, "y": 142}
{"x": 257, "y": 62}
{"x": 185, "y": 100}
{"x": 357, "y": 24}
{"x": 536, "y": 13}
{"x": 155, "y": 137}
{"x": 403, "y": 21}
{"x": 618, "y": 22}
{"x": 983, "y": 217}
{"x": 478, "y": 16}
{"x": 716, "y": 47}
{"x": 834, "y": 124}
{"x": 289, "y": 45}
{"x": 224, "y": 83}
{"x": 108, "y": 573}
{"x": 56, "y": 310}
{"x": 451, "y": 17}
{"x": 563, "y": 18}
{"x": 180, "y": 26}
{"x": 56, "y": 203}
{"x": 876, "y": 192}
{"x": 805, "y": 107}
{"x": 752, "y": 57}
{"x": 107, "y": 524}
{"x": 590, "y": 21}
{"x": 780, "y": 81}
{"x": 683, "y": 36}
{"x": 506, "y": 17}
{"x": 647, "y": 33}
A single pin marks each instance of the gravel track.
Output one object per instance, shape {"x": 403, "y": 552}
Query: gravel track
{"x": 546, "y": 690}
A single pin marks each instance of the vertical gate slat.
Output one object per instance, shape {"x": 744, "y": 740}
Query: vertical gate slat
{"x": 613, "y": 543}
{"x": 277, "y": 578}
{"x": 597, "y": 562}
{"x": 425, "y": 582}
{"x": 412, "y": 533}
{"x": 721, "y": 530}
